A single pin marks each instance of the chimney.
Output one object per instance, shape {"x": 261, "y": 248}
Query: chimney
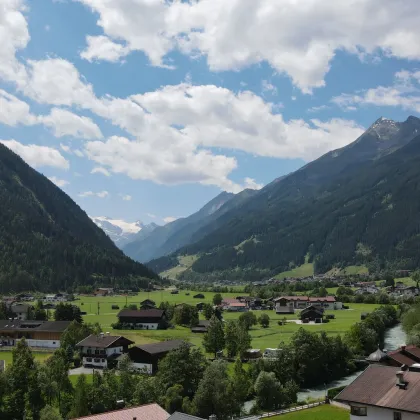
{"x": 134, "y": 418}
{"x": 403, "y": 347}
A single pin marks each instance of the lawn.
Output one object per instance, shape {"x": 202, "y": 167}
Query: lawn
{"x": 185, "y": 262}
{"x": 39, "y": 356}
{"x": 262, "y": 338}
{"x": 323, "y": 412}
{"x": 74, "y": 378}
{"x": 304, "y": 270}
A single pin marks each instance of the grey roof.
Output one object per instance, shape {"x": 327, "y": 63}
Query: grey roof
{"x": 46, "y": 326}
{"x": 182, "y": 416}
{"x": 103, "y": 341}
{"x": 376, "y": 356}
{"x": 161, "y": 347}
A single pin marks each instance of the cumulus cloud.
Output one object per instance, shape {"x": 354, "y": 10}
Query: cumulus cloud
{"x": 101, "y": 47}
{"x": 151, "y": 215}
{"x": 404, "y": 93}
{"x": 295, "y": 37}
{"x": 126, "y": 197}
{"x": 100, "y": 194}
{"x": 100, "y": 170}
{"x": 65, "y": 123}
{"x": 267, "y": 87}
{"x": 37, "y": 156}
{"x": 169, "y": 219}
{"x": 59, "y": 182}
{"x": 14, "y": 111}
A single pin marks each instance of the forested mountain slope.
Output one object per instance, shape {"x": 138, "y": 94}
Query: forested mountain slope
{"x": 357, "y": 204}
{"x": 46, "y": 241}
{"x": 167, "y": 239}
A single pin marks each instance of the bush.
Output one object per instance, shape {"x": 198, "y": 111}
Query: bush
{"x": 77, "y": 360}
{"x": 330, "y": 316}
{"x": 346, "y": 307}
{"x": 325, "y": 321}
{"x": 333, "y": 392}
{"x": 116, "y": 326}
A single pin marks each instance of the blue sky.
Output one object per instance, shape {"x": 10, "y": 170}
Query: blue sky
{"x": 147, "y": 109}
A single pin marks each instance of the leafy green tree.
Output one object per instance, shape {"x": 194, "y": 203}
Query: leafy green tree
{"x": 214, "y": 339}
{"x": 76, "y": 332}
{"x": 172, "y": 401}
{"x": 231, "y": 338}
{"x": 361, "y": 339}
{"x": 264, "y": 320}
{"x": 185, "y": 315}
{"x": 80, "y": 406}
{"x": 50, "y": 413}
{"x": 248, "y": 319}
{"x": 416, "y": 277}
{"x": 132, "y": 306}
{"x": 241, "y": 382}
{"x": 208, "y": 311}
{"x": 215, "y": 393}
{"x": 39, "y": 313}
{"x": 217, "y": 299}
{"x": 184, "y": 366}
{"x": 68, "y": 312}
{"x": 148, "y": 390}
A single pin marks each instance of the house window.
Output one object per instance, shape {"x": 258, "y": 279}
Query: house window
{"x": 397, "y": 415}
{"x": 88, "y": 359}
{"x": 89, "y": 351}
{"x": 97, "y": 360}
{"x": 358, "y": 411}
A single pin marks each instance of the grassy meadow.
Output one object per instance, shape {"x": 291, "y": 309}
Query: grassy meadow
{"x": 261, "y": 337}
{"x": 39, "y": 356}
{"x": 322, "y": 412}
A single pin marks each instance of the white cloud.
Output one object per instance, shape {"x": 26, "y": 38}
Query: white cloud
{"x": 101, "y": 47}
{"x": 404, "y": 93}
{"x": 100, "y": 170}
{"x": 169, "y": 219}
{"x": 59, "y": 182}
{"x": 66, "y": 123}
{"x": 57, "y": 82}
{"x": 65, "y": 148}
{"x": 318, "y": 108}
{"x": 151, "y": 215}
{"x": 126, "y": 197}
{"x": 252, "y": 184}
{"x": 13, "y": 111}
{"x": 37, "y": 156}
{"x": 100, "y": 194}
{"x": 267, "y": 87}
{"x": 299, "y": 38}
{"x": 14, "y": 36}
{"x": 78, "y": 153}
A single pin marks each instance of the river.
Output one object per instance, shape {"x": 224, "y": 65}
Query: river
{"x": 394, "y": 337}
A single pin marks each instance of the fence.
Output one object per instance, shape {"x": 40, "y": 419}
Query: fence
{"x": 285, "y": 411}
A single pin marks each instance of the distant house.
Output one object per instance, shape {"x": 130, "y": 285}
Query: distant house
{"x": 370, "y": 290}
{"x": 142, "y": 412}
{"x": 104, "y": 291}
{"x": 201, "y": 327}
{"x": 198, "y": 296}
{"x": 146, "y": 357}
{"x": 399, "y": 285}
{"x": 405, "y": 355}
{"x": 100, "y": 350}
{"x": 147, "y": 306}
{"x": 410, "y": 291}
{"x": 56, "y": 298}
{"x": 252, "y": 354}
{"x": 152, "y": 319}
{"x": 43, "y": 334}
{"x": 288, "y": 304}
{"x": 148, "y": 302}
{"x": 236, "y": 307}
{"x": 312, "y": 313}
{"x": 20, "y": 311}
{"x": 383, "y": 392}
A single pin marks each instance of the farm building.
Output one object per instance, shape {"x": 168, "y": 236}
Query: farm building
{"x": 152, "y": 319}
{"x": 201, "y": 327}
{"x": 312, "y": 313}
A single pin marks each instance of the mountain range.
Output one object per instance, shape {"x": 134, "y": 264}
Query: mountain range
{"x": 48, "y": 242}
{"x": 164, "y": 240}
{"x": 355, "y": 205}
{"x": 122, "y": 232}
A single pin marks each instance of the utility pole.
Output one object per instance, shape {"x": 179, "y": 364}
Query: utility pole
{"x": 98, "y": 308}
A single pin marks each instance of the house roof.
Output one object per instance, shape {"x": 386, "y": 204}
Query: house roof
{"x": 376, "y": 386}
{"x": 182, "y": 416}
{"x": 237, "y": 304}
{"x": 45, "y": 326}
{"x": 228, "y": 301}
{"x": 142, "y": 313}
{"x": 322, "y": 299}
{"x": 20, "y": 308}
{"x": 142, "y": 412}
{"x": 161, "y": 347}
{"x": 312, "y": 308}
{"x": 103, "y": 341}
{"x": 405, "y": 356}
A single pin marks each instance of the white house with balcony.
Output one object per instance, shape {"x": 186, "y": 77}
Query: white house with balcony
{"x": 383, "y": 393}
{"x": 98, "y": 350}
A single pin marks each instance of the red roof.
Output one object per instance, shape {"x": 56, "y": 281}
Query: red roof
{"x": 410, "y": 355}
{"x": 142, "y": 412}
{"x": 322, "y": 299}
{"x": 306, "y": 298}
{"x": 228, "y": 301}
{"x": 237, "y": 304}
